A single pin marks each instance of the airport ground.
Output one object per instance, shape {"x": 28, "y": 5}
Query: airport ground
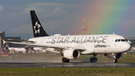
{"x": 33, "y": 65}
{"x": 57, "y": 58}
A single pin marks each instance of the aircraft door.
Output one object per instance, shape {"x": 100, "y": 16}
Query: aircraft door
{"x": 113, "y": 45}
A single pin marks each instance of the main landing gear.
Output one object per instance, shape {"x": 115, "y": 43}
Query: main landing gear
{"x": 65, "y": 60}
{"x": 93, "y": 59}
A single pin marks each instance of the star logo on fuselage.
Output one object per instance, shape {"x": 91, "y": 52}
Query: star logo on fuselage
{"x": 37, "y": 28}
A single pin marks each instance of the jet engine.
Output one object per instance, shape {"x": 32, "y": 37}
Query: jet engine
{"x": 114, "y": 56}
{"x": 71, "y": 53}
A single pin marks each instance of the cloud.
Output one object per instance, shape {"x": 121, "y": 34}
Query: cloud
{"x": 52, "y": 25}
{"x": 52, "y": 14}
{"x": 47, "y": 6}
{"x": 1, "y": 7}
{"x": 21, "y": 30}
{"x": 55, "y": 16}
{"x": 58, "y": 10}
{"x": 49, "y": 10}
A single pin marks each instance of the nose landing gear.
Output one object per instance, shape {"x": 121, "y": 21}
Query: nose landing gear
{"x": 115, "y": 61}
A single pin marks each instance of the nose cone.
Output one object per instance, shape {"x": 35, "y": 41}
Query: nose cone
{"x": 127, "y": 46}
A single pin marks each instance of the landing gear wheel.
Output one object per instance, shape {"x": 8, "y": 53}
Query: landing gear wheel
{"x": 115, "y": 61}
{"x": 65, "y": 60}
{"x": 93, "y": 59}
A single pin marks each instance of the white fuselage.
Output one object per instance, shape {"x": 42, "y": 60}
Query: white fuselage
{"x": 23, "y": 50}
{"x": 91, "y": 43}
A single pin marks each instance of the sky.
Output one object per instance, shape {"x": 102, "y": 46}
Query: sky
{"x": 67, "y": 17}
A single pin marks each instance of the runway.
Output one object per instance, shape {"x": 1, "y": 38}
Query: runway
{"x": 66, "y": 65}
{"x": 54, "y": 60}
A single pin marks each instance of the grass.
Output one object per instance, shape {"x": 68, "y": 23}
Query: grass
{"x": 67, "y": 71}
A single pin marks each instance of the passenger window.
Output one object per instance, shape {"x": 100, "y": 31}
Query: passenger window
{"x": 123, "y": 40}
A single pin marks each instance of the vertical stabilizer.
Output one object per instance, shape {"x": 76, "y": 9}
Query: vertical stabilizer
{"x": 5, "y": 46}
{"x": 38, "y": 29}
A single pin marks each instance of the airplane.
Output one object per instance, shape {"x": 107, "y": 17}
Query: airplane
{"x": 26, "y": 49}
{"x": 37, "y": 49}
{"x": 8, "y": 49}
{"x": 72, "y": 46}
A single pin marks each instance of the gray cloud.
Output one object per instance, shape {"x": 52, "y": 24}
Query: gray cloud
{"x": 16, "y": 21}
{"x": 1, "y": 7}
{"x": 21, "y": 29}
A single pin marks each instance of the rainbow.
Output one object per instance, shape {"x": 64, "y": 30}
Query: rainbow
{"x": 108, "y": 16}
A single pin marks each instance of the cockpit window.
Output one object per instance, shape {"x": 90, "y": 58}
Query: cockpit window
{"x": 117, "y": 40}
{"x": 121, "y": 40}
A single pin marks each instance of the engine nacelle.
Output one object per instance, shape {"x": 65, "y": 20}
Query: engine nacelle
{"x": 114, "y": 56}
{"x": 71, "y": 53}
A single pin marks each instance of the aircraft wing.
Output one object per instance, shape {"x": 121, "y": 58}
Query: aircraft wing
{"x": 18, "y": 40}
{"x": 51, "y": 46}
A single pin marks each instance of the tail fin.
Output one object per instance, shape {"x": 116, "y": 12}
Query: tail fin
{"x": 38, "y": 29}
{"x": 5, "y": 46}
